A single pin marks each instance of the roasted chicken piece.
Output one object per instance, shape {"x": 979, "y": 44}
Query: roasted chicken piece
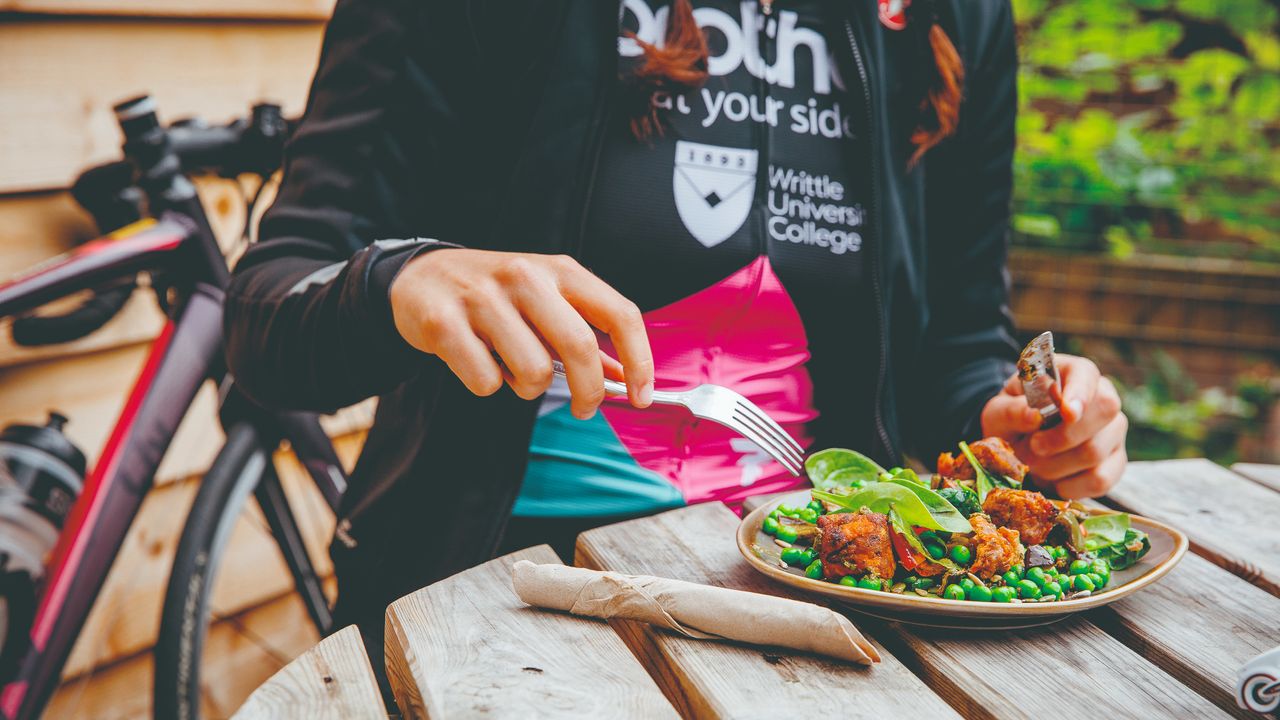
{"x": 995, "y": 550}
{"x": 855, "y": 543}
{"x": 1028, "y": 512}
{"x": 992, "y": 453}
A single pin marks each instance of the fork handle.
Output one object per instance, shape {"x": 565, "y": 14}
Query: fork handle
{"x": 612, "y": 387}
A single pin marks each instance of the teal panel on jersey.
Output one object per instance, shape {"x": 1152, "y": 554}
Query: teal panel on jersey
{"x": 579, "y": 468}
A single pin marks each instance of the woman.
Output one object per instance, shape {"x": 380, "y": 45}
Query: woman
{"x": 805, "y": 201}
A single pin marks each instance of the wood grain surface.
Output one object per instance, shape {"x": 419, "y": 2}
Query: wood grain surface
{"x": 275, "y": 10}
{"x": 1268, "y": 475}
{"x": 467, "y": 647}
{"x": 1213, "y": 506}
{"x": 60, "y": 77}
{"x": 332, "y": 680}
{"x": 1200, "y": 624}
{"x": 717, "y": 679}
{"x": 973, "y": 671}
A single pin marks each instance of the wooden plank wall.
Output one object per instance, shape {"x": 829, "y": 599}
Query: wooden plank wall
{"x": 63, "y": 64}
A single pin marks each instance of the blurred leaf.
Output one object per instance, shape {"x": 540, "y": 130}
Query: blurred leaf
{"x": 1039, "y": 225}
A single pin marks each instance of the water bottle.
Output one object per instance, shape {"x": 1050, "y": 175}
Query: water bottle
{"x": 41, "y": 475}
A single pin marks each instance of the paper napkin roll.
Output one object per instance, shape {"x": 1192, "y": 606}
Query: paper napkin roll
{"x": 693, "y": 610}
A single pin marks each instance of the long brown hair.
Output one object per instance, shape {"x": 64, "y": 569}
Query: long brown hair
{"x": 680, "y": 65}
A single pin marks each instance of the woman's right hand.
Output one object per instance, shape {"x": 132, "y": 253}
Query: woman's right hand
{"x": 463, "y": 305}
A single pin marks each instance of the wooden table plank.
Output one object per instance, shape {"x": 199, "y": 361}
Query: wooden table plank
{"x": 1268, "y": 475}
{"x": 1200, "y": 624}
{"x": 331, "y": 680}
{"x": 716, "y": 679}
{"x": 467, "y": 646}
{"x": 1215, "y": 508}
{"x": 982, "y": 675}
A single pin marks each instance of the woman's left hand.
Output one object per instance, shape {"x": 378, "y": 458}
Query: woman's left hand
{"x": 1084, "y": 455}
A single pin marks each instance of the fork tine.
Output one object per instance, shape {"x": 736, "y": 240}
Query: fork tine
{"x": 738, "y": 425}
{"x": 766, "y": 440}
{"x": 754, "y": 410}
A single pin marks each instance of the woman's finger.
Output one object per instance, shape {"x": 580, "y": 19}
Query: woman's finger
{"x": 526, "y": 359}
{"x": 1009, "y": 416}
{"x": 1097, "y": 413}
{"x": 1086, "y": 455}
{"x": 573, "y": 341}
{"x": 1079, "y": 383}
{"x": 620, "y": 319}
{"x": 1095, "y": 481}
{"x": 467, "y": 356}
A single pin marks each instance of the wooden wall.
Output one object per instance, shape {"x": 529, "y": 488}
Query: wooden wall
{"x": 63, "y": 64}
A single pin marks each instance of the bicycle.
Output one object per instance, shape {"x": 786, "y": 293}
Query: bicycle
{"x": 171, "y": 241}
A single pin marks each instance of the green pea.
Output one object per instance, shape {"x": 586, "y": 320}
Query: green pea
{"x": 1028, "y": 590}
{"x": 816, "y": 506}
{"x": 1079, "y": 567}
{"x": 979, "y": 593}
{"x": 961, "y": 554}
{"x": 924, "y": 583}
{"x": 809, "y": 556}
{"x": 787, "y": 533}
{"x": 1053, "y": 588}
{"x": 869, "y": 582}
{"x": 1011, "y": 578}
{"x": 1037, "y": 575}
{"x": 848, "y": 581}
{"x": 808, "y": 515}
{"x": 1082, "y": 582}
{"x": 794, "y": 556}
{"x": 1003, "y": 594}
{"x": 769, "y": 526}
{"x": 966, "y": 583}
{"x": 953, "y": 592}
{"x": 786, "y": 510}
{"x": 935, "y": 549}
{"x": 1098, "y": 581}
{"x": 814, "y": 570}
{"x": 1018, "y": 569}
{"x": 774, "y": 513}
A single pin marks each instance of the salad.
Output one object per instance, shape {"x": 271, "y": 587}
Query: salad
{"x": 972, "y": 532}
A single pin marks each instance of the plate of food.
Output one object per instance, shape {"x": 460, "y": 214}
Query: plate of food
{"x": 968, "y": 546}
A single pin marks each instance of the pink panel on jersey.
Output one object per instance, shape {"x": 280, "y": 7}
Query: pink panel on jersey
{"x": 743, "y": 333}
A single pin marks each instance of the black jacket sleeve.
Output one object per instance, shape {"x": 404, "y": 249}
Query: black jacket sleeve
{"x": 969, "y": 347}
{"x": 308, "y": 323}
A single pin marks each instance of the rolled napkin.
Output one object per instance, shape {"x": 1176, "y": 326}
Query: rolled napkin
{"x": 696, "y": 611}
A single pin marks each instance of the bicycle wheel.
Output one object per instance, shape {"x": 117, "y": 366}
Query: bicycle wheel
{"x": 221, "y": 509}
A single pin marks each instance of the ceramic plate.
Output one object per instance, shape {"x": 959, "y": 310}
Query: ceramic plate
{"x": 1167, "y": 548}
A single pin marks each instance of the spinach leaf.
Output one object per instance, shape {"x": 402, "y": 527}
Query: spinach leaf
{"x": 1124, "y": 554}
{"x": 962, "y": 498}
{"x": 941, "y": 510}
{"x": 984, "y": 484}
{"x": 880, "y": 496}
{"x": 906, "y": 474}
{"x": 903, "y": 528}
{"x": 835, "y": 467}
{"x": 1103, "y": 530}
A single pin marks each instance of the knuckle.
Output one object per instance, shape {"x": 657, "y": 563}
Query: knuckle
{"x": 518, "y": 271}
{"x": 564, "y": 263}
{"x": 1092, "y": 452}
{"x": 1109, "y": 402}
{"x": 581, "y": 344}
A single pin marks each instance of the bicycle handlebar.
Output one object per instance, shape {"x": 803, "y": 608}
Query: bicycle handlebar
{"x": 110, "y": 193}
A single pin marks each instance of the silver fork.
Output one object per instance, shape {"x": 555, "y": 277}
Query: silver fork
{"x": 721, "y": 405}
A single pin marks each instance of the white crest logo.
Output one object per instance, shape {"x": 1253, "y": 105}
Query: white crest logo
{"x": 713, "y": 188}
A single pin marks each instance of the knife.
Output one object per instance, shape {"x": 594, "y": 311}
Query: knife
{"x": 1040, "y": 379}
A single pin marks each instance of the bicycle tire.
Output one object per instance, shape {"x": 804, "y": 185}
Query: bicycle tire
{"x": 184, "y": 619}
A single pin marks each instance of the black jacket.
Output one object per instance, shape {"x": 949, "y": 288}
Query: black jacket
{"x": 478, "y": 123}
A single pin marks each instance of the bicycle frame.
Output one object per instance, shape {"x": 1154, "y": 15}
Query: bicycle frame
{"x": 185, "y": 354}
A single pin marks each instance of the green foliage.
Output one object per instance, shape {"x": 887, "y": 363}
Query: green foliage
{"x": 1149, "y": 126}
{"x": 1170, "y": 416}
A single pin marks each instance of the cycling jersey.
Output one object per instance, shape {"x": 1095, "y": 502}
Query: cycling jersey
{"x": 739, "y": 232}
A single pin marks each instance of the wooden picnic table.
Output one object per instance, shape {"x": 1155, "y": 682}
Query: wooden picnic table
{"x": 466, "y": 646}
